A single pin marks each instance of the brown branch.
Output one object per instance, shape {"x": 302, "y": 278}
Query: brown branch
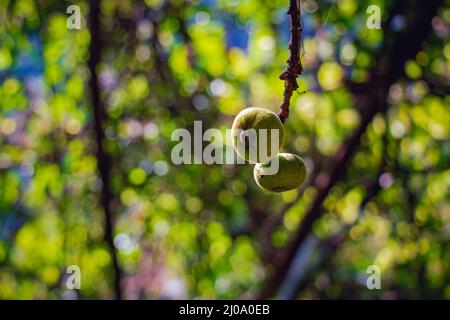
{"x": 103, "y": 159}
{"x": 331, "y": 245}
{"x": 402, "y": 47}
{"x": 294, "y": 67}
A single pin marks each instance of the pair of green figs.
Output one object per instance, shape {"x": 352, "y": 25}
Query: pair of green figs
{"x": 290, "y": 170}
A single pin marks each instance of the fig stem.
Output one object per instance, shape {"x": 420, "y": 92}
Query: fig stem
{"x": 294, "y": 66}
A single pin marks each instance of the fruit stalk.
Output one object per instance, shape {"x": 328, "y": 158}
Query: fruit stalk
{"x": 294, "y": 66}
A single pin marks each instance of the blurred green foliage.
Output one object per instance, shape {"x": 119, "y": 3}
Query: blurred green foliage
{"x": 192, "y": 231}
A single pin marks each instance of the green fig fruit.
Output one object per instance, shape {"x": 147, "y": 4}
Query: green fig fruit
{"x": 257, "y": 134}
{"x": 291, "y": 173}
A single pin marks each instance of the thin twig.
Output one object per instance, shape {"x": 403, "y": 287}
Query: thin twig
{"x": 294, "y": 67}
{"x": 329, "y": 12}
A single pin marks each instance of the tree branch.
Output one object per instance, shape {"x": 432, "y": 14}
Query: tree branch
{"x": 103, "y": 159}
{"x": 402, "y": 47}
{"x": 294, "y": 67}
{"x": 330, "y": 246}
